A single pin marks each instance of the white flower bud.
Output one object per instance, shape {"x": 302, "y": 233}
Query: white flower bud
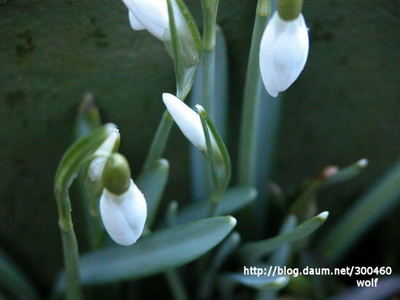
{"x": 187, "y": 120}
{"x": 283, "y": 52}
{"x": 124, "y": 215}
{"x": 97, "y": 165}
{"x": 151, "y": 15}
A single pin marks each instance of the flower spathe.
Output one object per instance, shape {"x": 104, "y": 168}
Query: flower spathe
{"x": 151, "y": 15}
{"x": 97, "y": 165}
{"x": 187, "y": 120}
{"x": 283, "y": 52}
{"x": 124, "y": 215}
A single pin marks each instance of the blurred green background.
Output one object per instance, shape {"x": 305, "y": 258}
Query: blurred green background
{"x": 345, "y": 106}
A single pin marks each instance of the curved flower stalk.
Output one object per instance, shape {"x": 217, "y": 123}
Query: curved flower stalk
{"x": 123, "y": 208}
{"x": 284, "y": 48}
{"x": 151, "y": 15}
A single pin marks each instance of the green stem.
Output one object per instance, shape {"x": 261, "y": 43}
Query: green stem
{"x": 215, "y": 199}
{"x": 70, "y": 244}
{"x": 208, "y": 66}
{"x": 210, "y": 9}
{"x": 208, "y": 81}
{"x": 96, "y": 229}
{"x": 159, "y": 141}
{"x": 176, "y": 285}
{"x": 207, "y": 98}
{"x": 248, "y": 131}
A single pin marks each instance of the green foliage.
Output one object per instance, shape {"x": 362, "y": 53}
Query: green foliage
{"x": 156, "y": 253}
{"x": 152, "y": 183}
{"x": 253, "y": 251}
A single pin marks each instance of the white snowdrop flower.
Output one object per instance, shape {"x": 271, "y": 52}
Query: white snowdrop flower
{"x": 124, "y": 215}
{"x": 283, "y": 52}
{"x": 151, "y": 15}
{"x": 97, "y": 165}
{"x": 187, "y": 120}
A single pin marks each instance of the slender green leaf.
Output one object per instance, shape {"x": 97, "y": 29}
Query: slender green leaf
{"x": 262, "y": 282}
{"x": 14, "y": 281}
{"x": 280, "y": 257}
{"x": 366, "y": 212}
{"x": 346, "y": 173}
{"x": 306, "y": 199}
{"x": 171, "y": 214}
{"x": 156, "y": 253}
{"x": 281, "y": 254}
{"x": 225, "y": 249}
{"x": 176, "y": 284}
{"x": 254, "y": 250}
{"x": 233, "y": 200}
{"x": 152, "y": 183}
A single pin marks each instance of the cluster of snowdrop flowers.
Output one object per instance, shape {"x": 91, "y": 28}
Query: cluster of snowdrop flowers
{"x": 123, "y": 208}
{"x": 284, "y": 47}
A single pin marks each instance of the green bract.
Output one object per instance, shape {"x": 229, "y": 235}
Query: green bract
{"x": 184, "y": 47}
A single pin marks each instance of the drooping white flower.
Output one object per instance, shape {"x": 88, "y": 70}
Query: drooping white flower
{"x": 124, "y": 215}
{"x": 97, "y": 165}
{"x": 283, "y": 52}
{"x": 187, "y": 120}
{"x": 151, "y": 15}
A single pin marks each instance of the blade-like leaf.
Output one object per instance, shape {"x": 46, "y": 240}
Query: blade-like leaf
{"x": 156, "y": 253}
{"x": 152, "y": 184}
{"x": 233, "y": 200}
{"x": 254, "y": 250}
{"x": 225, "y": 249}
{"x": 346, "y": 173}
{"x": 14, "y": 281}
{"x": 282, "y": 254}
{"x": 280, "y": 257}
{"x": 364, "y": 214}
{"x": 259, "y": 282}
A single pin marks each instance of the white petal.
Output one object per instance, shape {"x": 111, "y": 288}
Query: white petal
{"x": 135, "y": 23}
{"x": 153, "y": 15}
{"x": 97, "y": 165}
{"x": 283, "y": 53}
{"x": 187, "y": 119}
{"x": 124, "y": 216}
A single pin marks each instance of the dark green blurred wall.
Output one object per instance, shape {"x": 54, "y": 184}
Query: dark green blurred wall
{"x": 345, "y": 106}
